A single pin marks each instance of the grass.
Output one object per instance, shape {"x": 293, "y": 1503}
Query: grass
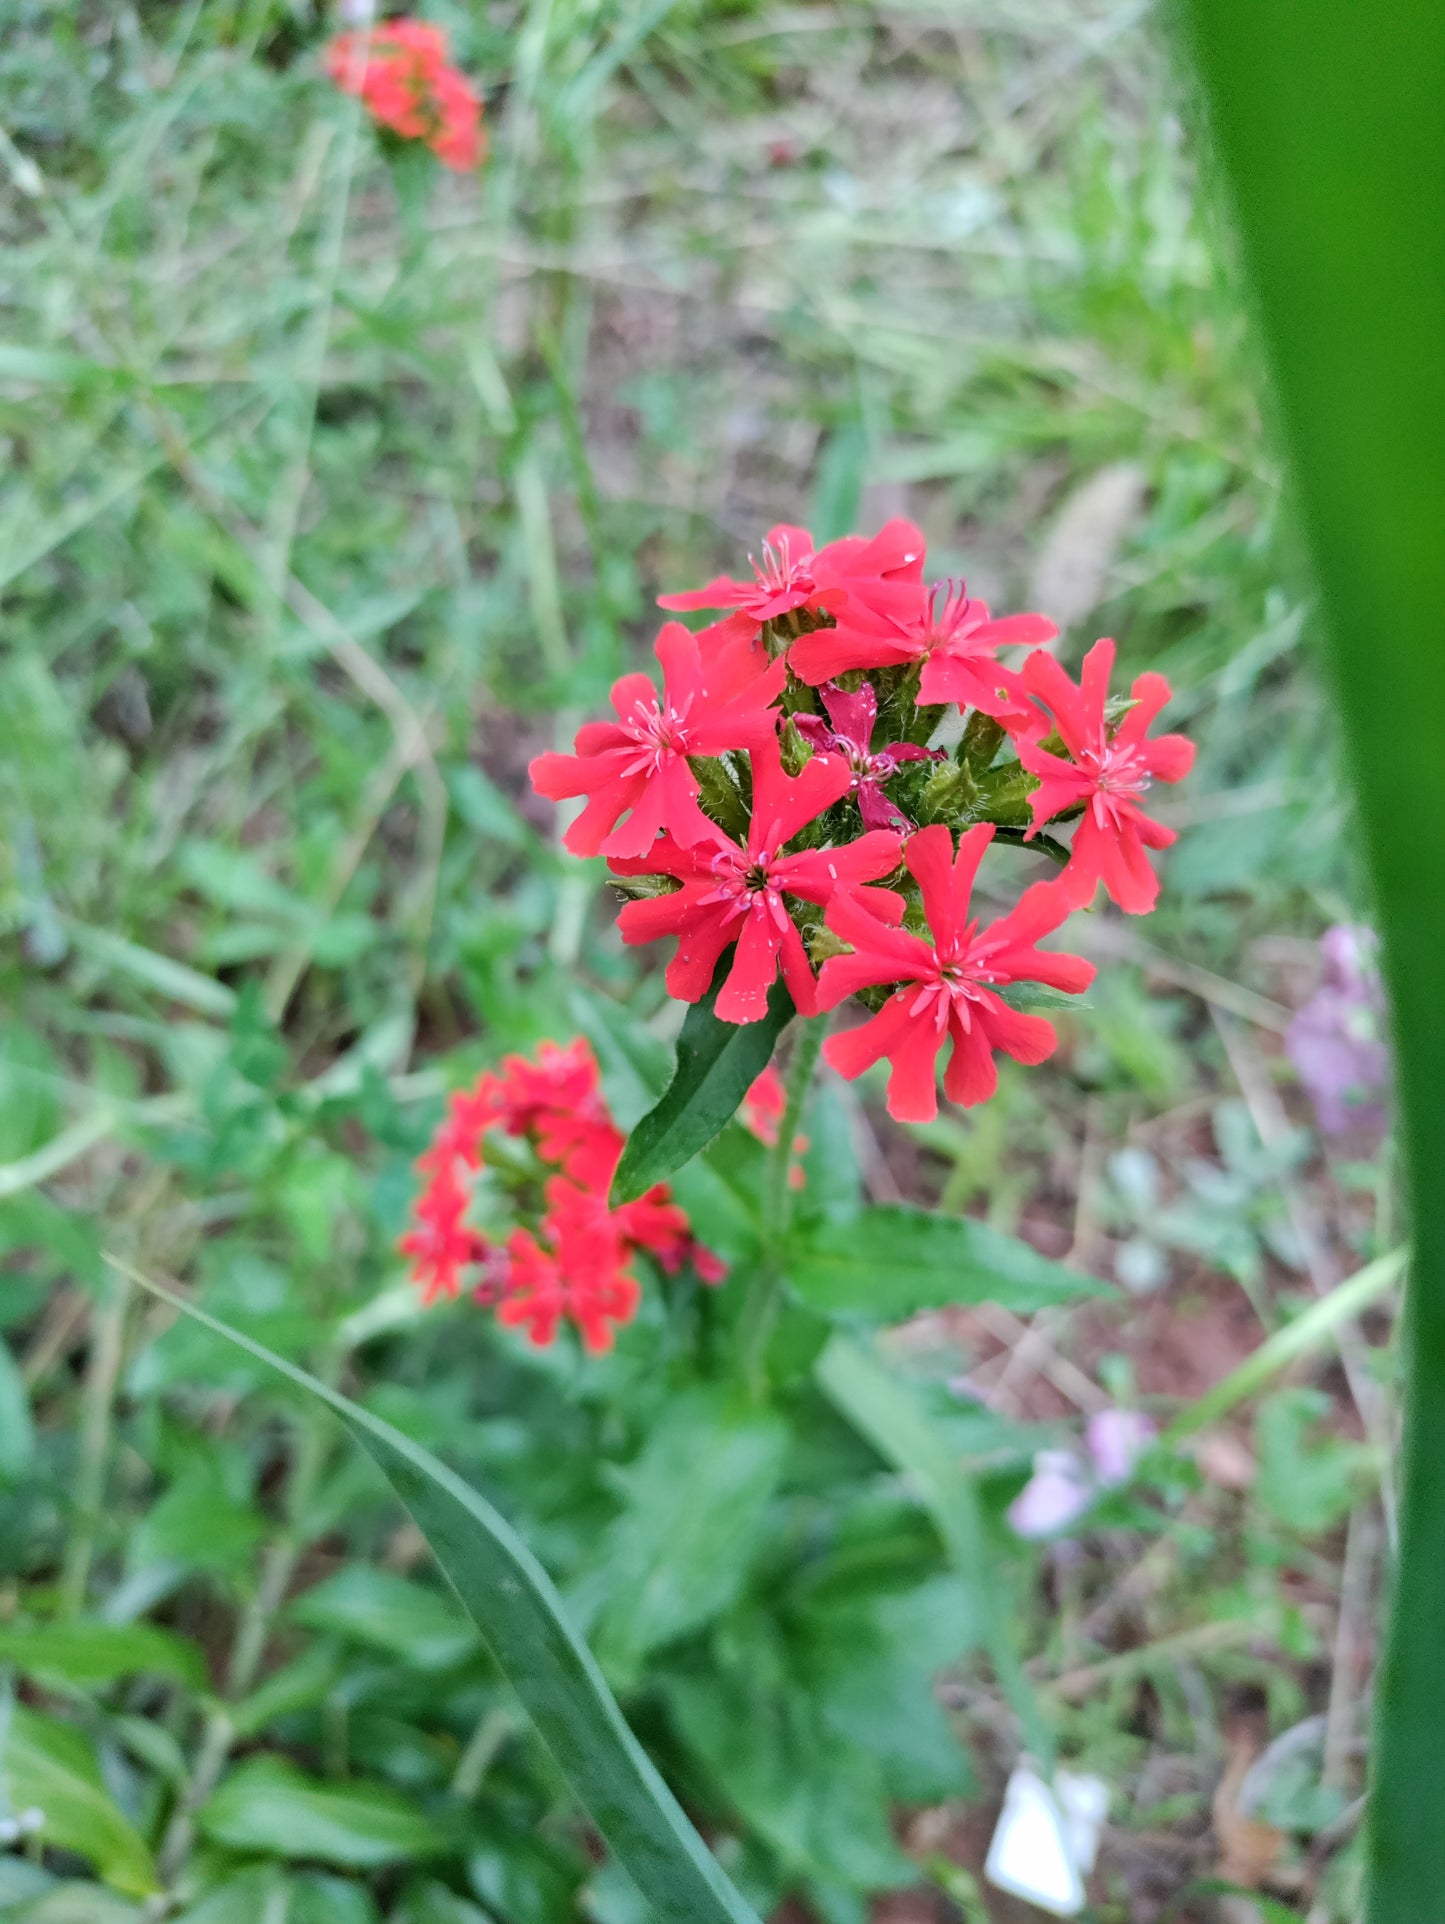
{"x": 335, "y": 487}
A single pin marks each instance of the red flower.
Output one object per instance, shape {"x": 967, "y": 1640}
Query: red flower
{"x": 761, "y": 1113}
{"x": 399, "y": 71}
{"x": 582, "y": 1281}
{"x": 458, "y": 141}
{"x": 581, "y": 1277}
{"x": 764, "y": 1106}
{"x": 735, "y": 894}
{"x": 956, "y": 640}
{"x": 442, "y": 1245}
{"x": 852, "y": 718}
{"x": 790, "y": 575}
{"x": 576, "y": 1272}
{"x": 1108, "y": 772}
{"x": 521, "y": 1094}
{"x": 640, "y": 762}
{"x": 470, "y": 1113}
{"x": 948, "y": 987}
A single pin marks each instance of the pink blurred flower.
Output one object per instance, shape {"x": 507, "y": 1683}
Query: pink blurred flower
{"x": 1116, "y": 1439}
{"x": 1337, "y": 1042}
{"x": 1058, "y": 1491}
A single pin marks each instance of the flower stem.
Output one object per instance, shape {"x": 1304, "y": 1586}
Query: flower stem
{"x": 764, "y": 1298}
{"x": 278, "y": 1566}
{"x": 107, "y": 1351}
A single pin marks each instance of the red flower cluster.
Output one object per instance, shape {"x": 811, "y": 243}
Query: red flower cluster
{"x": 400, "y": 71}
{"x": 748, "y": 806}
{"x": 572, "y": 1263}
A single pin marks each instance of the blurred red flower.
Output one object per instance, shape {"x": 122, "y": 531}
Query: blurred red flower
{"x": 401, "y": 73}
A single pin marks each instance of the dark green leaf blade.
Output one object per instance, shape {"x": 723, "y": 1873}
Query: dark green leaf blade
{"x": 717, "y": 1063}
{"x": 886, "y": 1262}
{"x": 1329, "y": 124}
{"x": 515, "y": 1606}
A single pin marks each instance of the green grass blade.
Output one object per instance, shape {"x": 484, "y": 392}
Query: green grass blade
{"x": 1330, "y": 124}
{"x": 1307, "y": 1331}
{"x": 513, "y": 1603}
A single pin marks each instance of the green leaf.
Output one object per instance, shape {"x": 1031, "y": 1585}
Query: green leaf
{"x": 86, "y": 1653}
{"x": 49, "y": 1766}
{"x": 254, "y": 1894}
{"x": 377, "y": 1607}
{"x": 523, "y": 1621}
{"x": 21, "y": 1880}
{"x": 1308, "y": 1479}
{"x": 820, "y": 1803}
{"x": 17, "y": 1435}
{"x": 433, "y": 1903}
{"x": 524, "y": 1879}
{"x": 717, "y": 1063}
{"x": 316, "y": 1899}
{"x": 173, "y": 980}
{"x": 697, "y": 1501}
{"x": 307, "y": 1680}
{"x": 79, "y": 1902}
{"x": 270, "y": 1806}
{"x": 198, "y": 1522}
{"x": 887, "y": 1262}
{"x": 885, "y": 1409}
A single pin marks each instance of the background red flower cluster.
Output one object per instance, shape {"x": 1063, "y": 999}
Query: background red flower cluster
{"x": 402, "y": 74}
{"x": 788, "y": 767}
{"x": 555, "y": 1147}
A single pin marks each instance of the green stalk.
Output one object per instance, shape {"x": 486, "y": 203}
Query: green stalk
{"x": 107, "y": 1352}
{"x": 1329, "y": 119}
{"x": 764, "y": 1298}
{"x": 1311, "y": 1328}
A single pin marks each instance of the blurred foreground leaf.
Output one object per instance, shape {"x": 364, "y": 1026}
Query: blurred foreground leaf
{"x": 1330, "y": 123}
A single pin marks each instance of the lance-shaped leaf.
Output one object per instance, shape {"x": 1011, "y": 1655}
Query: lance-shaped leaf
{"x": 521, "y": 1618}
{"x": 717, "y": 1063}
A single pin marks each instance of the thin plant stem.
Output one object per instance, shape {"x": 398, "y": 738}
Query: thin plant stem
{"x": 760, "y": 1307}
{"x": 107, "y": 1351}
{"x": 278, "y": 1566}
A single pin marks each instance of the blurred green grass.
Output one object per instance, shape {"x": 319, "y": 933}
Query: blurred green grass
{"x": 334, "y": 487}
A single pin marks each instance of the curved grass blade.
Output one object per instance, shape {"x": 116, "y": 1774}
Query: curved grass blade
{"x": 1329, "y": 121}
{"x": 515, "y": 1606}
{"x": 717, "y": 1063}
